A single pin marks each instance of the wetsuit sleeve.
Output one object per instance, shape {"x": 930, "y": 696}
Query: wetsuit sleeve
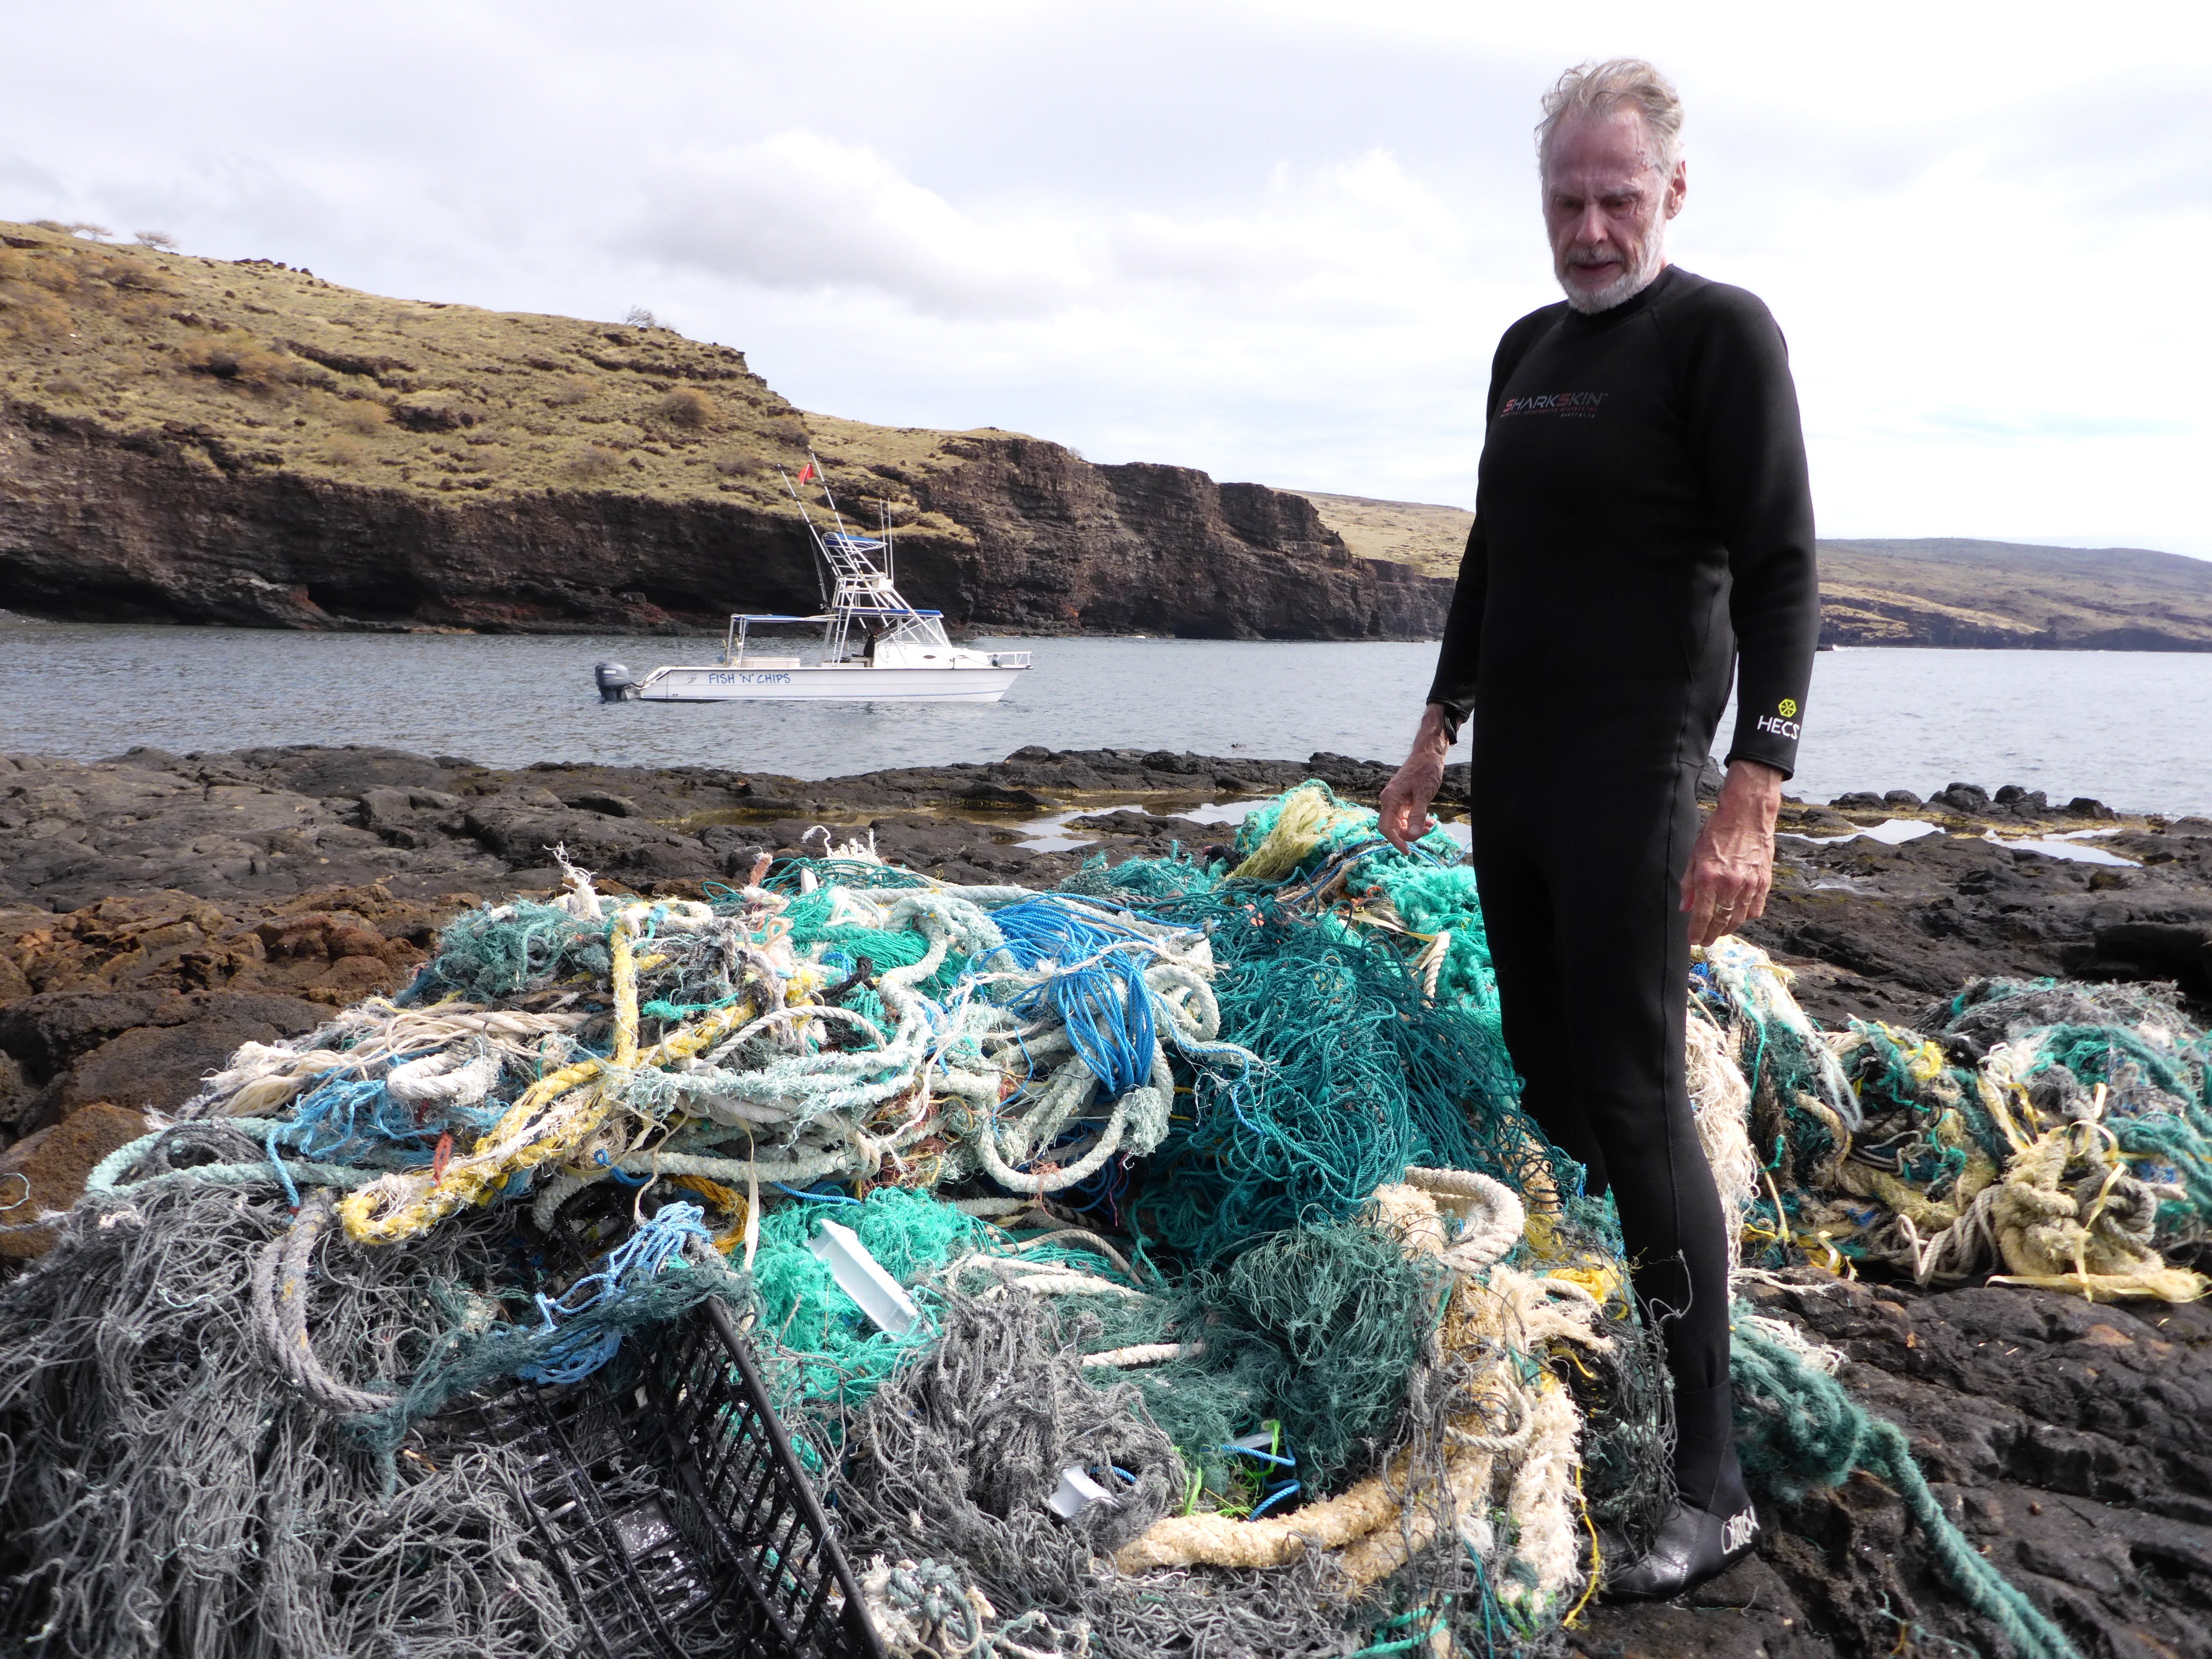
{"x": 1745, "y": 427}
{"x": 1461, "y": 652}
{"x": 1461, "y": 655}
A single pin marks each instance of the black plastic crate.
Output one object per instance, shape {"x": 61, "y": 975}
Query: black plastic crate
{"x": 673, "y": 1505}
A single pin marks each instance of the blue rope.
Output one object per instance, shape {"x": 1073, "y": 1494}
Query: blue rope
{"x": 814, "y": 1197}
{"x": 1103, "y": 1003}
{"x": 291, "y": 1188}
{"x": 1275, "y": 1497}
{"x": 356, "y": 1116}
{"x": 641, "y": 1257}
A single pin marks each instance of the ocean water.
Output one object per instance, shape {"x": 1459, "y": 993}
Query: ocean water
{"x": 2132, "y": 728}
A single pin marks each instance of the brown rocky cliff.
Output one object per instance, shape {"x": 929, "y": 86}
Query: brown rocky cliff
{"x": 97, "y": 525}
{"x": 198, "y": 440}
{"x": 1152, "y": 549}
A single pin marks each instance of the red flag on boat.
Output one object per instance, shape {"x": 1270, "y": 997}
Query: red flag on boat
{"x": 806, "y": 473}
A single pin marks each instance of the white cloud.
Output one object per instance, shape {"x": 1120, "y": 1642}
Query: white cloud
{"x": 1276, "y": 238}
{"x": 801, "y": 211}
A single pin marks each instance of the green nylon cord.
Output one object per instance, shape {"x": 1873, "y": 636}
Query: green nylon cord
{"x": 1797, "y": 1425}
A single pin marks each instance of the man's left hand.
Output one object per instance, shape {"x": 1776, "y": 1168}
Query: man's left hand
{"x": 1732, "y": 866}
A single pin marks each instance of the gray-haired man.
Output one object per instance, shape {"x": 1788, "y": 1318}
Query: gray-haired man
{"x": 1643, "y": 529}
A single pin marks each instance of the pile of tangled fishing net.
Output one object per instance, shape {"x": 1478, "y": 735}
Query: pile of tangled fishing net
{"x": 2051, "y": 1134}
{"x": 1224, "y": 1301}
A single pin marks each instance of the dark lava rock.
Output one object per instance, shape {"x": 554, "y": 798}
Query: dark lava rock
{"x": 1970, "y": 797}
{"x": 1819, "y": 821}
{"x": 2032, "y": 802}
{"x": 47, "y": 1033}
{"x": 349, "y": 772}
{"x": 736, "y": 849}
{"x": 143, "y": 1048}
{"x": 2070, "y": 1441}
{"x": 52, "y": 1164}
{"x": 2181, "y": 951}
{"x": 1145, "y": 827}
{"x": 1001, "y": 795}
{"x": 528, "y": 835}
{"x": 159, "y": 1066}
{"x": 1875, "y": 931}
{"x": 1348, "y": 776}
{"x": 615, "y": 806}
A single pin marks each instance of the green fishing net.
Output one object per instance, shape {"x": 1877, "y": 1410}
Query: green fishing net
{"x": 499, "y": 951}
{"x": 826, "y": 1355}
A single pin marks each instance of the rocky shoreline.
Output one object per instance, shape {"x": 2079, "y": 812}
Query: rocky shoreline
{"x": 156, "y": 910}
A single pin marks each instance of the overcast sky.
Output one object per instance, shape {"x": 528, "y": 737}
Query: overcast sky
{"x": 1276, "y": 240}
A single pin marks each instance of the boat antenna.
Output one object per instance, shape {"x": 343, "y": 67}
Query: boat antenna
{"x": 823, "y": 477}
{"x": 822, "y": 562}
{"x": 890, "y": 553}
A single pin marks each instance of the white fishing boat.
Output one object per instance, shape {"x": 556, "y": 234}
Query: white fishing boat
{"x": 874, "y": 646}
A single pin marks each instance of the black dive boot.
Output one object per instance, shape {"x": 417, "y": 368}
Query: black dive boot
{"x": 1712, "y": 1525}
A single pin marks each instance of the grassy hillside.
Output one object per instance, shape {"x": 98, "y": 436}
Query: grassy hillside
{"x": 1428, "y": 537}
{"x": 283, "y": 369}
{"x": 2112, "y": 598}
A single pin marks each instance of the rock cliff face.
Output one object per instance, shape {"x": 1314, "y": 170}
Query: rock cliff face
{"x": 171, "y": 526}
{"x": 1163, "y": 549}
{"x": 193, "y": 441}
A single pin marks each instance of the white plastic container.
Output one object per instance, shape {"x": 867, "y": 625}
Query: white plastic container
{"x": 861, "y": 1276}
{"x": 1077, "y": 1492}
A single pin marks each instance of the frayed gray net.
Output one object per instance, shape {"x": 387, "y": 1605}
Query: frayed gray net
{"x": 955, "y": 1456}
{"x": 168, "y": 1491}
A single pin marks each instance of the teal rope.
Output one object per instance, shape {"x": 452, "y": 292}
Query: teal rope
{"x": 242, "y": 1175}
{"x": 107, "y": 1176}
{"x": 1796, "y": 1422}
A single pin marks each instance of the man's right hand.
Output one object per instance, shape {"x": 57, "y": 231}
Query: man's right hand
{"x": 1406, "y": 798}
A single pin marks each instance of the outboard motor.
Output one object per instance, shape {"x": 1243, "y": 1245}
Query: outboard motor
{"x": 615, "y": 683}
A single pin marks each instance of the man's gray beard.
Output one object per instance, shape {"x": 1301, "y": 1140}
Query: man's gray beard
{"x": 1626, "y": 286}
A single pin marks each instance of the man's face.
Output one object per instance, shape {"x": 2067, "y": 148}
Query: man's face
{"x": 1607, "y": 204}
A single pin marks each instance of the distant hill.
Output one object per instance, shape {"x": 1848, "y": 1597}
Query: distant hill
{"x": 1951, "y": 592}
{"x": 1937, "y": 592}
{"x": 1427, "y": 537}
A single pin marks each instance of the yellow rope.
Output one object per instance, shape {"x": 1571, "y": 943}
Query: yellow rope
{"x": 730, "y": 1201}
{"x": 625, "y": 979}
{"x": 1597, "y": 1558}
{"x": 547, "y": 1124}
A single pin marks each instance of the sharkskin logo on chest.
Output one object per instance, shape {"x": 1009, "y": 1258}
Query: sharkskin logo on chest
{"x": 1581, "y": 405}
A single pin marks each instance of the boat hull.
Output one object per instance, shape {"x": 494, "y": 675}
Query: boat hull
{"x": 853, "y": 683}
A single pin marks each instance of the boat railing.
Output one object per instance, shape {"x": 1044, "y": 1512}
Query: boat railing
{"x": 1010, "y": 660}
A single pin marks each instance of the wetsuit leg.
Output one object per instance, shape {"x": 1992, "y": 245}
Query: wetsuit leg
{"x": 1518, "y": 920}
{"x": 1603, "y": 1017}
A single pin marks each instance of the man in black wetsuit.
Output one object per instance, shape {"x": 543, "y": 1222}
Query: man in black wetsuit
{"x": 1643, "y": 526}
